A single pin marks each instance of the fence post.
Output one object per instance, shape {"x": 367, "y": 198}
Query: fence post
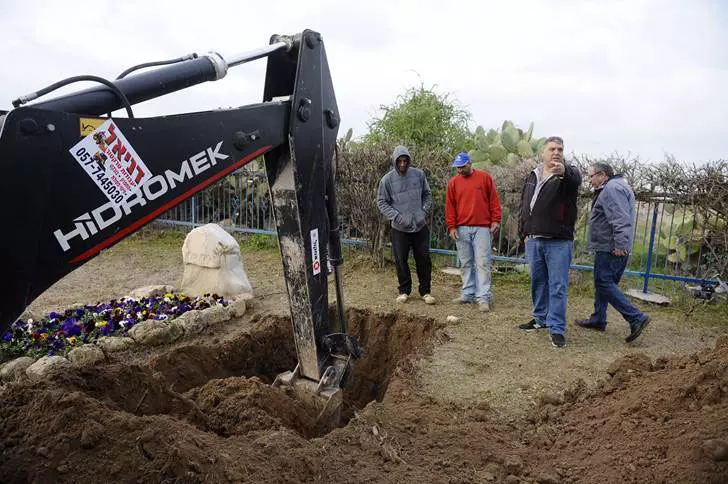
{"x": 194, "y": 210}
{"x": 652, "y": 245}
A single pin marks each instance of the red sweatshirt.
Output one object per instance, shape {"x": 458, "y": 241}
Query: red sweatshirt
{"x": 472, "y": 201}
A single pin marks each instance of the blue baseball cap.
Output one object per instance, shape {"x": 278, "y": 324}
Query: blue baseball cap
{"x": 461, "y": 159}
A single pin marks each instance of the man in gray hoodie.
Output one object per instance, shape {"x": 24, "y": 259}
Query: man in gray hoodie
{"x": 611, "y": 234}
{"x": 404, "y": 197}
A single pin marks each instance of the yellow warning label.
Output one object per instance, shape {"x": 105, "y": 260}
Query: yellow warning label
{"x": 88, "y": 125}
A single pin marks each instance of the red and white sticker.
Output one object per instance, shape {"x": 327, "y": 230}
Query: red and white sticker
{"x": 315, "y": 256}
{"x": 111, "y": 162}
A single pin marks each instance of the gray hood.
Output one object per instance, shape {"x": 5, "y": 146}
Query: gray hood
{"x": 405, "y": 198}
{"x": 399, "y": 151}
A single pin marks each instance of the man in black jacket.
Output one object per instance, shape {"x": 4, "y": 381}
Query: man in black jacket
{"x": 547, "y": 216}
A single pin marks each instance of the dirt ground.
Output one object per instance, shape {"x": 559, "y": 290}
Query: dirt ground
{"x": 472, "y": 401}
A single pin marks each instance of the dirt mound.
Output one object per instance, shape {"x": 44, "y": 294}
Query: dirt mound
{"x": 662, "y": 421}
{"x": 241, "y": 405}
{"x": 264, "y": 350}
{"x": 205, "y": 412}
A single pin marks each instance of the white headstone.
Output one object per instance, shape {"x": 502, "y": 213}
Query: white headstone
{"x": 213, "y": 264}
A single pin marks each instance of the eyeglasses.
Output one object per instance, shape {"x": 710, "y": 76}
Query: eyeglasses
{"x": 594, "y": 174}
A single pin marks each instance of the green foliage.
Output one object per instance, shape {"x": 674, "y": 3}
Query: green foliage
{"x": 524, "y": 149}
{"x": 510, "y": 137}
{"x": 423, "y": 118}
{"x": 255, "y": 242}
{"x": 497, "y": 152}
{"x": 360, "y": 168}
{"x": 508, "y": 146}
{"x": 687, "y": 233}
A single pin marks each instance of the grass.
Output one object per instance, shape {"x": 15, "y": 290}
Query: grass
{"x": 683, "y": 306}
{"x": 256, "y": 242}
{"x": 165, "y": 238}
{"x": 159, "y": 242}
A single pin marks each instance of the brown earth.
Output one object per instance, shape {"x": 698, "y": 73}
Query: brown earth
{"x": 473, "y": 401}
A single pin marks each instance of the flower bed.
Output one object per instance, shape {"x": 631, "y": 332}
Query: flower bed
{"x": 58, "y": 333}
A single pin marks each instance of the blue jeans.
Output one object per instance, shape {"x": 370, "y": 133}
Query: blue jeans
{"x": 608, "y": 270}
{"x": 548, "y": 262}
{"x": 474, "y": 252}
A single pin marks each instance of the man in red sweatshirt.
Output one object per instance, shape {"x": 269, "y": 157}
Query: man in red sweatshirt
{"x": 472, "y": 212}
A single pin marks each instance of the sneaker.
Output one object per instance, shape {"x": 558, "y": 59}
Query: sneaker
{"x": 586, "y": 323}
{"x": 402, "y": 298}
{"x": 428, "y": 299}
{"x": 463, "y": 300}
{"x": 558, "y": 340}
{"x": 637, "y": 330}
{"x": 484, "y": 307}
{"x": 532, "y": 325}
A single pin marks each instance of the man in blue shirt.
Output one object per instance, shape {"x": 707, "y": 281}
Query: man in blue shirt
{"x": 611, "y": 235}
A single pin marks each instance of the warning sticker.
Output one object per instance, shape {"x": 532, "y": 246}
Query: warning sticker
{"x": 111, "y": 162}
{"x": 88, "y": 125}
{"x": 315, "y": 256}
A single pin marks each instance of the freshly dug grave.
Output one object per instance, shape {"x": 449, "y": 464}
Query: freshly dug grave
{"x": 205, "y": 412}
{"x": 182, "y": 413}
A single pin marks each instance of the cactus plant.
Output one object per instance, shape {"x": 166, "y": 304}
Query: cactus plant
{"x": 527, "y": 135}
{"x": 512, "y": 159}
{"x": 687, "y": 238}
{"x": 493, "y": 137}
{"x": 537, "y": 144}
{"x": 507, "y": 146}
{"x": 523, "y": 149}
{"x": 510, "y": 138}
{"x": 497, "y": 153}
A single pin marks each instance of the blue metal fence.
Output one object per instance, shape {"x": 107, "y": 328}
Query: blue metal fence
{"x": 670, "y": 238}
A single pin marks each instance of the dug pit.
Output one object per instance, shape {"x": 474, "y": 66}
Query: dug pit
{"x": 230, "y": 383}
{"x": 206, "y": 412}
{"x": 221, "y": 388}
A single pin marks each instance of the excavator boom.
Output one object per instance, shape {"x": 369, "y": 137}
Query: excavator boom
{"x": 76, "y": 182}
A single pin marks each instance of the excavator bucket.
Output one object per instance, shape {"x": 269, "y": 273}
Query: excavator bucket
{"x": 323, "y": 401}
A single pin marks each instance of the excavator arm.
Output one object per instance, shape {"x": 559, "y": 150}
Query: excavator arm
{"x": 76, "y": 182}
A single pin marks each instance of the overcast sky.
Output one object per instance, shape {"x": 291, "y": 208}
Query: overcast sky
{"x": 644, "y": 77}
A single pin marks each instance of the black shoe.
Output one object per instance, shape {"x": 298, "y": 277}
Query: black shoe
{"x": 586, "y": 323}
{"x": 532, "y": 325}
{"x": 558, "y": 340}
{"x": 637, "y": 330}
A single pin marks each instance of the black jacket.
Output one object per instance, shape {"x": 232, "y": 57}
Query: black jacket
{"x": 554, "y": 213}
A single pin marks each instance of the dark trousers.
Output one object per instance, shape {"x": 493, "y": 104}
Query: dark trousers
{"x": 608, "y": 270}
{"x": 420, "y": 244}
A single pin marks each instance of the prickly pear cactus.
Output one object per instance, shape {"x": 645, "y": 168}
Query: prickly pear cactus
{"x": 523, "y": 149}
{"x": 507, "y": 146}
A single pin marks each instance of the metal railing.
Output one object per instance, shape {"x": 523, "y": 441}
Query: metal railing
{"x": 670, "y": 238}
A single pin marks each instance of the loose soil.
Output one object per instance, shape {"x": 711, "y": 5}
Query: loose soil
{"x": 430, "y": 401}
